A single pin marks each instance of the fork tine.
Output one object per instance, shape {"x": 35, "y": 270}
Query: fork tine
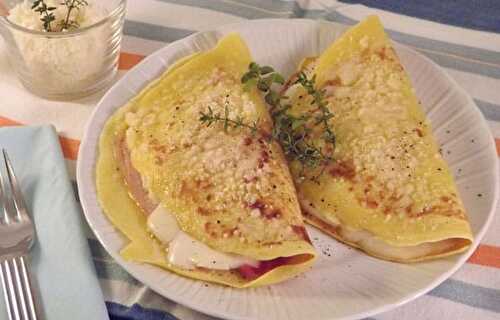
{"x": 4, "y": 200}
{"x": 20, "y": 287}
{"x": 17, "y": 195}
{"x": 6, "y": 290}
{"x": 27, "y": 285}
{"x": 11, "y": 289}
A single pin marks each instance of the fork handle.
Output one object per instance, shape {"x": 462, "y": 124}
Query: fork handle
{"x": 17, "y": 289}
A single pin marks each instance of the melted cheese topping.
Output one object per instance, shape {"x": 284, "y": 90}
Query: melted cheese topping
{"x": 257, "y": 214}
{"x": 229, "y": 188}
{"x": 185, "y": 251}
{"x": 389, "y": 178}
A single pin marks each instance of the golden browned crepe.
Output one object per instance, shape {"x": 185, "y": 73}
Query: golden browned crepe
{"x": 389, "y": 191}
{"x": 227, "y": 190}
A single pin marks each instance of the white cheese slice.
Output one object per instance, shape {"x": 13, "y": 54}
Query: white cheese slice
{"x": 189, "y": 253}
{"x": 185, "y": 251}
{"x": 163, "y": 225}
{"x": 369, "y": 242}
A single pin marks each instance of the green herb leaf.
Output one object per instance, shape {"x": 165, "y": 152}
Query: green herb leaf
{"x": 247, "y": 76}
{"x": 278, "y": 78}
{"x": 262, "y": 85}
{"x": 210, "y": 117}
{"x": 47, "y": 17}
{"x": 272, "y": 98}
{"x": 265, "y": 70}
{"x": 249, "y": 84}
{"x": 290, "y": 131}
{"x": 253, "y": 67}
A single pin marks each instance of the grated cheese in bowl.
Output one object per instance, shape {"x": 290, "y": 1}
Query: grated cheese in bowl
{"x": 66, "y": 63}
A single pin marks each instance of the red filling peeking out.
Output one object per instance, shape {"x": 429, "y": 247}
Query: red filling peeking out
{"x": 250, "y": 272}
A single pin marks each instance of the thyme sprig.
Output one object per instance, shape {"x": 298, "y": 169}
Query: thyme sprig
{"x": 319, "y": 100}
{"x": 68, "y": 23}
{"x": 46, "y": 12}
{"x": 210, "y": 117}
{"x": 264, "y": 77}
{"x": 48, "y": 16}
{"x": 292, "y": 132}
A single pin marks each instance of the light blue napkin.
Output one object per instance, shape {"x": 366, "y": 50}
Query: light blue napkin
{"x": 60, "y": 261}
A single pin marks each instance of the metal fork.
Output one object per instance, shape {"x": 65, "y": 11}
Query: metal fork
{"x": 17, "y": 234}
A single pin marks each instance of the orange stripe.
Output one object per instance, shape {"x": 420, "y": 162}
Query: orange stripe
{"x": 69, "y": 146}
{"x": 128, "y": 60}
{"x": 486, "y": 255}
{"x": 5, "y": 122}
{"x": 3, "y": 10}
{"x": 497, "y": 143}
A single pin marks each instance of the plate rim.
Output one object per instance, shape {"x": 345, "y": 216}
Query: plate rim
{"x": 368, "y": 313}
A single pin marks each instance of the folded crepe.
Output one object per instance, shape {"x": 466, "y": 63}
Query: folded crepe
{"x": 388, "y": 192}
{"x": 209, "y": 203}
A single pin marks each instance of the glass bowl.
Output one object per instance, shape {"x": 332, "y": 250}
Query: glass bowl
{"x": 66, "y": 65}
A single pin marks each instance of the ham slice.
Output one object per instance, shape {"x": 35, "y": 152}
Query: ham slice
{"x": 250, "y": 272}
{"x": 132, "y": 177}
{"x": 140, "y": 195}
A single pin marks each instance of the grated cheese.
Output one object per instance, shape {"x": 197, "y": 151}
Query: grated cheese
{"x": 386, "y": 158}
{"x": 67, "y": 63}
{"x": 216, "y": 172}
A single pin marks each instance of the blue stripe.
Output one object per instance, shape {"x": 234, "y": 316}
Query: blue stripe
{"x": 154, "y": 32}
{"x": 482, "y": 55}
{"x": 444, "y": 60}
{"x": 454, "y": 290}
{"x": 75, "y": 190}
{"x": 451, "y": 56}
{"x": 460, "y": 57}
{"x": 296, "y": 11}
{"x": 272, "y": 5}
{"x": 136, "y": 312}
{"x": 97, "y": 250}
{"x": 489, "y": 110}
{"x": 245, "y": 9}
{"x": 106, "y": 267}
{"x": 469, "y": 294}
{"x": 110, "y": 270}
{"x": 481, "y": 15}
{"x": 167, "y": 34}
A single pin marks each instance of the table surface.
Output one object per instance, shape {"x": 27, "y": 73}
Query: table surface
{"x": 461, "y": 36}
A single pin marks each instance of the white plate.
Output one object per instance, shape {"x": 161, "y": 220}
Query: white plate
{"x": 347, "y": 284}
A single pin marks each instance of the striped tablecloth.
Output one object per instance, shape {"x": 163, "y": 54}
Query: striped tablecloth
{"x": 462, "y": 36}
